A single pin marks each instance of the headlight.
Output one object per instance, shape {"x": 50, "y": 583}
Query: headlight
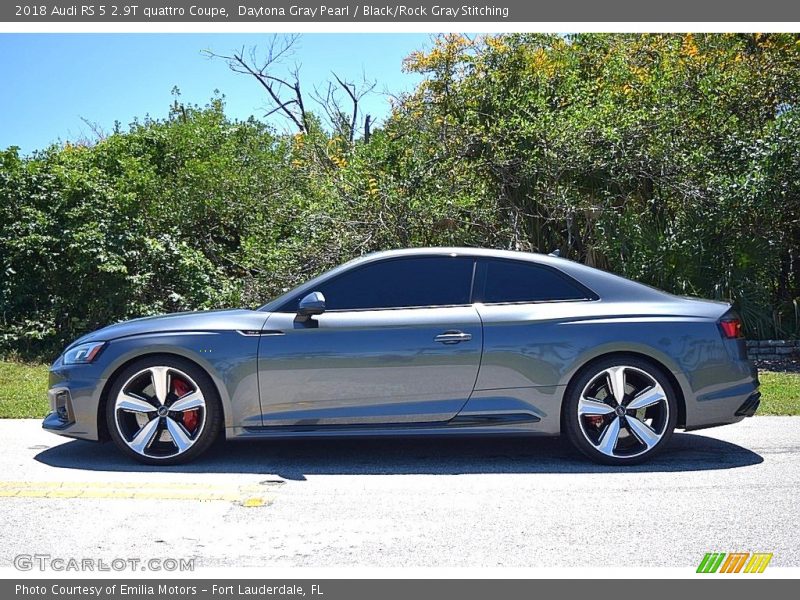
{"x": 83, "y": 354}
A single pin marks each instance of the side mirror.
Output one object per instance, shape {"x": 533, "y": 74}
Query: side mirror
{"x": 313, "y": 304}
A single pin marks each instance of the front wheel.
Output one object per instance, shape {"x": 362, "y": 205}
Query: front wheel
{"x": 620, "y": 411}
{"x": 163, "y": 411}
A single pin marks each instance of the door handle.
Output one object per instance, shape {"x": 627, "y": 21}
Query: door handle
{"x": 453, "y": 337}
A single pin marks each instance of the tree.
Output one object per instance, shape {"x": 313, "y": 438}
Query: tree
{"x": 636, "y": 153}
{"x": 285, "y": 94}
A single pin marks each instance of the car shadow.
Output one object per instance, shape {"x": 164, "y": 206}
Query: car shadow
{"x": 296, "y": 459}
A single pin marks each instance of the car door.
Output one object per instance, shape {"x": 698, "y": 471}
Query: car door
{"x": 399, "y": 342}
{"x": 524, "y": 307}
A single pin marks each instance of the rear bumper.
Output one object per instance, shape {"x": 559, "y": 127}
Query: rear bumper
{"x": 725, "y": 404}
{"x": 750, "y": 406}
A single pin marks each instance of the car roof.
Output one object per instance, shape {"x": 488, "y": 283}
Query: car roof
{"x": 607, "y": 286}
{"x": 458, "y": 251}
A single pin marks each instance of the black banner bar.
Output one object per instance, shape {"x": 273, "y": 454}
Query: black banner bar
{"x": 447, "y": 11}
{"x": 388, "y": 589}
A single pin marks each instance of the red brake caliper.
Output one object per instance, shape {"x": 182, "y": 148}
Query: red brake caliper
{"x": 190, "y": 417}
{"x": 595, "y": 420}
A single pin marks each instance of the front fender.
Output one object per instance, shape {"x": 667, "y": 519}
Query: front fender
{"x": 229, "y": 358}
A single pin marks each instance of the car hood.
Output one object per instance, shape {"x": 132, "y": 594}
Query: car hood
{"x": 211, "y": 320}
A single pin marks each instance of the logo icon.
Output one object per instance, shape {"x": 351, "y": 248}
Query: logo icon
{"x": 734, "y": 562}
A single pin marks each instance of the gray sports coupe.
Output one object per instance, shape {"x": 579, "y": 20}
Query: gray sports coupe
{"x": 438, "y": 341}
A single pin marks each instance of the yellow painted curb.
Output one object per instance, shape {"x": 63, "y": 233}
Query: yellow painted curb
{"x": 244, "y": 495}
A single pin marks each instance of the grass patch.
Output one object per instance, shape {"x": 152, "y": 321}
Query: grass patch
{"x": 780, "y": 393}
{"x": 23, "y": 392}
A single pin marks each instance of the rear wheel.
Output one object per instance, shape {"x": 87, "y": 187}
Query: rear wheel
{"x": 620, "y": 411}
{"x": 163, "y": 410}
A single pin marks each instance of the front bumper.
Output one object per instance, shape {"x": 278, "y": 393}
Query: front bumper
{"x": 74, "y": 396}
{"x": 62, "y": 414}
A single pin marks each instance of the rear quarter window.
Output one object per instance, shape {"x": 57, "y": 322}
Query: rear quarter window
{"x": 508, "y": 281}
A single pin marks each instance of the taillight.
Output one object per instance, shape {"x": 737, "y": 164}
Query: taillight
{"x": 731, "y": 328}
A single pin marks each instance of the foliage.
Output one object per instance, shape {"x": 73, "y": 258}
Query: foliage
{"x": 671, "y": 159}
{"x": 145, "y": 222}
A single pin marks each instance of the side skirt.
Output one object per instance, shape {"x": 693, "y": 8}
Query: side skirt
{"x": 507, "y": 423}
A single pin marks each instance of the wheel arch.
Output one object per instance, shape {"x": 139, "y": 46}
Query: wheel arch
{"x": 102, "y": 426}
{"x": 657, "y": 364}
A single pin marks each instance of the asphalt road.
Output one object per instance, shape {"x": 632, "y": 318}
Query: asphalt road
{"x": 406, "y": 502}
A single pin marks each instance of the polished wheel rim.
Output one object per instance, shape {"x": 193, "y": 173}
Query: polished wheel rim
{"x": 623, "y": 412}
{"x": 160, "y": 412}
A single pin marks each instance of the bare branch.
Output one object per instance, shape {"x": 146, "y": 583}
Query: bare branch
{"x": 329, "y": 103}
{"x": 262, "y": 70}
{"x": 279, "y": 108}
{"x": 97, "y": 130}
{"x": 356, "y": 94}
{"x": 285, "y": 94}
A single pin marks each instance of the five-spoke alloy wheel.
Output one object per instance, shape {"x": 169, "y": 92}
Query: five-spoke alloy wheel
{"x": 163, "y": 410}
{"x": 620, "y": 411}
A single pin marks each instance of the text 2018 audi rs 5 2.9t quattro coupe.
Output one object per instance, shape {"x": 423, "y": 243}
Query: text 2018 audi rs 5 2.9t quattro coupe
{"x": 443, "y": 341}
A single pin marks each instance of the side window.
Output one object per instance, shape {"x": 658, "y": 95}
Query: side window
{"x": 401, "y": 282}
{"x": 513, "y": 281}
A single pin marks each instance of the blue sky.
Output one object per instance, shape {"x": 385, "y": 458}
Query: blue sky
{"x": 50, "y": 81}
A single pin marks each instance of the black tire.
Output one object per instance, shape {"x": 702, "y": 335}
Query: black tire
{"x": 212, "y": 411}
{"x": 580, "y": 430}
